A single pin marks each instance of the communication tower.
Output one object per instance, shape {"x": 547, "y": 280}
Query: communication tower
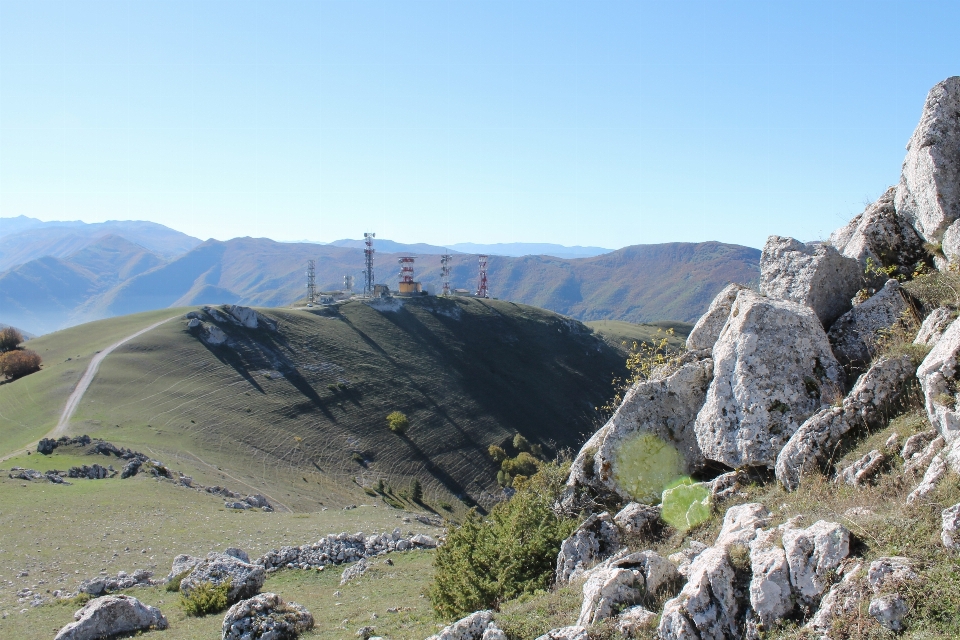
{"x": 311, "y": 281}
{"x": 482, "y": 281}
{"x": 407, "y": 283}
{"x": 347, "y": 284}
{"x": 445, "y": 272}
{"x": 369, "y": 280}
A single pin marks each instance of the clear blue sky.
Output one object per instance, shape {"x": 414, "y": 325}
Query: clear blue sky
{"x": 595, "y": 123}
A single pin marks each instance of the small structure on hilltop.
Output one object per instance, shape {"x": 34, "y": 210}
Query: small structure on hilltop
{"x": 482, "y": 279}
{"x": 445, "y": 273}
{"x": 311, "y": 281}
{"x": 408, "y": 286}
{"x": 368, "y": 251}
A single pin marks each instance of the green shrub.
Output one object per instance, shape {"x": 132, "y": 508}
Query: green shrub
{"x": 379, "y": 487}
{"x": 398, "y": 422}
{"x": 520, "y": 443}
{"x": 497, "y": 453}
{"x": 174, "y": 585}
{"x": 205, "y": 598}
{"x": 416, "y": 491}
{"x": 513, "y": 551}
{"x": 524, "y": 464}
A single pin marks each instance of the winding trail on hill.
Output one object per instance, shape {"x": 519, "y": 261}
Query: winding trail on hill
{"x": 74, "y": 400}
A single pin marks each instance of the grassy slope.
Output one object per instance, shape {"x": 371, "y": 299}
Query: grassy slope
{"x": 468, "y": 373}
{"x": 64, "y": 534}
{"x": 622, "y": 335}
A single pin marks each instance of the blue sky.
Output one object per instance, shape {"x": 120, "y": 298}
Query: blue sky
{"x": 593, "y": 123}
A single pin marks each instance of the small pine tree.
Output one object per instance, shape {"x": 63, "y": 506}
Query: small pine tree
{"x": 416, "y": 491}
{"x": 520, "y": 443}
{"x": 379, "y": 486}
{"x": 497, "y": 453}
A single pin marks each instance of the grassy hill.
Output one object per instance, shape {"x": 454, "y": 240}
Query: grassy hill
{"x": 300, "y": 414}
{"x": 644, "y": 283}
{"x": 621, "y": 335}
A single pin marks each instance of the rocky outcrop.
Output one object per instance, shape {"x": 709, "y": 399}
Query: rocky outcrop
{"x": 950, "y": 529}
{"x": 935, "y": 472}
{"x": 100, "y": 586}
{"x": 624, "y": 580}
{"x": 881, "y": 235}
{"x": 771, "y": 596}
{"x": 566, "y": 633}
{"x": 637, "y": 519}
{"x": 265, "y": 617}
{"x": 245, "y": 579}
{"x": 246, "y": 316}
{"x": 649, "y": 440}
{"x": 814, "y": 275}
{"x": 773, "y": 368}
{"x": 597, "y": 538}
{"x": 705, "y": 333}
{"x": 933, "y": 326}
{"x": 473, "y": 627}
{"x": 855, "y": 335}
{"x": 636, "y": 622}
{"x": 92, "y": 472}
{"x": 929, "y": 190}
{"x": 863, "y": 470}
{"x": 940, "y": 379}
{"x": 46, "y": 446}
{"x": 812, "y": 555}
{"x": 110, "y": 616}
{"x": 340, "y": 548}
{"x": 867, "y": 405}
{"x": 182, "y": 565}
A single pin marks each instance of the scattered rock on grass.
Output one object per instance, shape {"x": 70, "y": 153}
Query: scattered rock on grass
{"x": 246, "y": 579}
{"x": 889, "y": 611}
{"x": 470, "y": 628}
{"x": 354, "y": 571}
{"x": 266, "y": 617}
{"x": 112, "y": 615}
{"x": 950, "y": 532}
{"x": 566, "y": 633}
{"x": 863, "y": 470}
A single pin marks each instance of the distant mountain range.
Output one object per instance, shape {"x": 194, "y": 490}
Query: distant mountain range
{"x": 109, "y": 274}
{"x": 514, "y": 249}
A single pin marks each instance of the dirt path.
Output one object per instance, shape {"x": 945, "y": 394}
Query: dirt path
{"x": 74, "y": 400}
{"x": 215, "y": 469}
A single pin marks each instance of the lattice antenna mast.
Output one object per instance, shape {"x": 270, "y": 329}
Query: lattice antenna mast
{"x": 445, "y": 272}
{"x": 311, "y": 281}
{"x": 406, "y": 270}
{"x": 347, "y": 284}
{"x": 369, "y": 279}
{"x": 482, "y": 280}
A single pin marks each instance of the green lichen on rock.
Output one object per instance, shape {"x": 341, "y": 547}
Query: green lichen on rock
{"x": 644, "y": 465}
{"x": 686, "y": 504}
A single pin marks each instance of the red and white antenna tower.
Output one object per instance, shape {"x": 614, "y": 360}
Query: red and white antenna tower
{"x": 406, "y": 270}
{"x": 368, "y": 252}
{"x": 482, "y": 282}
{"x": 445, "y": 272}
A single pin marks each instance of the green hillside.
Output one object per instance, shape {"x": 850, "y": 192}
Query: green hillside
{"x": 300, "y": 414}
{"x": 621, "y": 335}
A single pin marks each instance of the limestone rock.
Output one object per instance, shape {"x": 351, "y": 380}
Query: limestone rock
{"x": 112, "y": 615}
{"x": 931, "y": 479}
{"x": 705, "y": 333}
{"x": 855, "y": 334}
{"x": 244, "y": 315}
{"x": 939, "y": 377}
{"x": 881, "y": 234}
{"x": 470, "y": 628}
{"x": 212, "y": 335}
{"x": 811, "y": 446}
{"x": 194, "y": 324}
{"x": 594, "y": 540}
{"x": 493, "y": 632}
{"x": 46, "y": 446}
{"x": 657, "y": 573}
{"x": 890, "y": 571}
{"x": 920, "y": 462}
{"x": 637, "y": 519}
{"x": 929, "y": 189}
{"x": 354, "y": 571}
{"x": 773, "y": 368}
{"x": 237, "y": 553}
{"x": 684, "y": 558}
{"x": 665, "y": 408}
{"x": 842, "y": 599}
{"x": 863, "y": 470}
{"x": 814, "y": 275}
{"x": 933, "y": 326}
{"x": 770, "y": 590}
{"x": 950, "y": 531}
{"x": 245, "y": 579}
{"x": 131, "y": 468}
{"x": 565, "y": 633}
{"x": 181, "y": 565}
{"x": 812, "y": 553}
{"x": 636, "y": 621}
{"x": 916, "y": 444}
{"x": 950, "y": 245}
{"x": 889, "y": 611}
{"x": 265, "y": 617}
{"x": 605, "y": 591}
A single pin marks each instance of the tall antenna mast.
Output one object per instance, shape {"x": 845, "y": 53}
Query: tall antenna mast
{"x": 482, "y": 281}
{"x": 311, "y": 281}
{"x": 368, "y": 252}
{"x": 445, "y": 273}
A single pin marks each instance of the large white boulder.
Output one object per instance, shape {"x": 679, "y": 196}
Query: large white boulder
{"x": 705, "y": 333}
{"x": 814, "y": 275}
{"x": 812, "y": 554}
{"x": 950, "y": 529}
{"x": 649, "y": 441}
{"x": 597, "y": 538}
{"x": 940, "y": 379}
{"x": 112, "y": 615}
{"x": 246, "y": 579}
{"x": 265, "y": 617}
{"x": 933, "y": 326}
{"x": 773, "y": 368}
{"x": 771, "y": 595}
{"x": 244, "y": 315}
{"x": 856, "y": 334}
{"x": 929, "y": 189}
{"x": 471, "y": 627}
{"x": 624, "y": 580}
{"x": 881, "y": 235}
{"x": 812, "y": 445}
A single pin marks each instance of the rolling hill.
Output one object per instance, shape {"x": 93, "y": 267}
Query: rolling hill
{"x": 300, "y": 413}
{"x": 643, "y": 283}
